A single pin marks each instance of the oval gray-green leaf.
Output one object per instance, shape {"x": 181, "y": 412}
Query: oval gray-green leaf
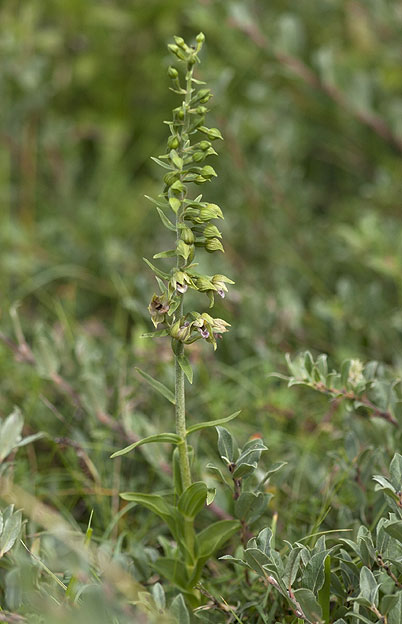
{"x": 10, "y": 432}
{"x": 10, "y": 533}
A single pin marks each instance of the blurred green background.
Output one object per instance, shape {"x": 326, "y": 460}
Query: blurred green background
{"x": 308, "y": 96}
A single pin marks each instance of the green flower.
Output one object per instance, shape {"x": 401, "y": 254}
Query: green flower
{"x": 181, "y": 330}
{"x": 180, "y": 282}
{"x": 220, "y": 281}
{"x": 210, "y": 328}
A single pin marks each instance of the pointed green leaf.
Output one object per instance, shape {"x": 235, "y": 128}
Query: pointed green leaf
{"x": 160, "y": 204}
{"x": 161, "y": 163}
{"x": 173, "y": 570}
{"x": 251, "y": 505}
{"x": 185, "y": 367}
{"x": 211, "y": 423}
{"x": 216, "y": 471}
{"x": 210, "y": 496}
{"x": 157, "y": 385}
{"x": 360, "y": 617}
{"x": 156, "y": 334}
{"x": 174, "y": 203}
{"x": 171, "y": 253}
{"x": 171, "y": 438}
{"x": 250, "y": 455}
{"x": 215, "y": 535}
{"x": 274, "y": 468}
{"x": 193, "y": 499}
{"x": 157, "y": 272}
{"x": 182, "y": 249}
{"x": 176, "y": 160}
{"x": 31, "y": 438}
{"x": 159, "y": 506}
{"x": 166, "y": 222}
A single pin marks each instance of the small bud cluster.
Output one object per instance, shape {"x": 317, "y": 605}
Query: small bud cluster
{"x": 192, "y": 218}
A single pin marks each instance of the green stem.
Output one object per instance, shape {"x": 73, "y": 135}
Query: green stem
{"x": 180, "y": 410}
{"x": 181, "y": 420}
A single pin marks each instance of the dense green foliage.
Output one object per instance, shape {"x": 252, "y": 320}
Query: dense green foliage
{"x": 308, "y": 98}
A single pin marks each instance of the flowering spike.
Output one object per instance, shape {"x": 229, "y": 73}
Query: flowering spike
{"x": 188, "y": 147}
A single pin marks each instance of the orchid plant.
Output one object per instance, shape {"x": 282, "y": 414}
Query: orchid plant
{"x": 191, "y": 221}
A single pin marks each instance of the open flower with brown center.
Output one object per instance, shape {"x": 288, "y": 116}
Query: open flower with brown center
{"x": 158, "y": 308}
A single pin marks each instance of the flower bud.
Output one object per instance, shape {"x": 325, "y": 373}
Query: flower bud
{"x": 201, "y": 110}
{"x": 199, "y": 156}
{"x": 200, "y": 37}
{"x": 181, "y": 331}
{"x": 180, "y": 41}
{"x": 178, "y": 187}
{"x": 173, "y": 142}
{"x": 210, "y": 211}
{"x": 212, "y": 133}
{"x": 172, "y": 72}
{"x": 191, "y": 213}
{"x": 187, "y": 235}
{"x": 213, "y": 244}
{"x": 204, "y": 145}
{"x": 202, "y": 94}
{"x": 174, "y": 49}
{"x": 211, "y": 231}
{"x": 208, "y": 172}
{"x": 170, "y": 178}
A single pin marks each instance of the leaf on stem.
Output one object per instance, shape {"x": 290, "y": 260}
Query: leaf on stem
{"x": 166, "y": 222}
{"x": 158, "y": 386}
{"x": 185, "y": 367}
{"x": 171, "y": 438}
{"x": 211, "y": 423}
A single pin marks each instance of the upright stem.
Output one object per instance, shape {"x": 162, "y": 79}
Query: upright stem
{"x": 181, "y": 420}
{"x": 180, "y": 409}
